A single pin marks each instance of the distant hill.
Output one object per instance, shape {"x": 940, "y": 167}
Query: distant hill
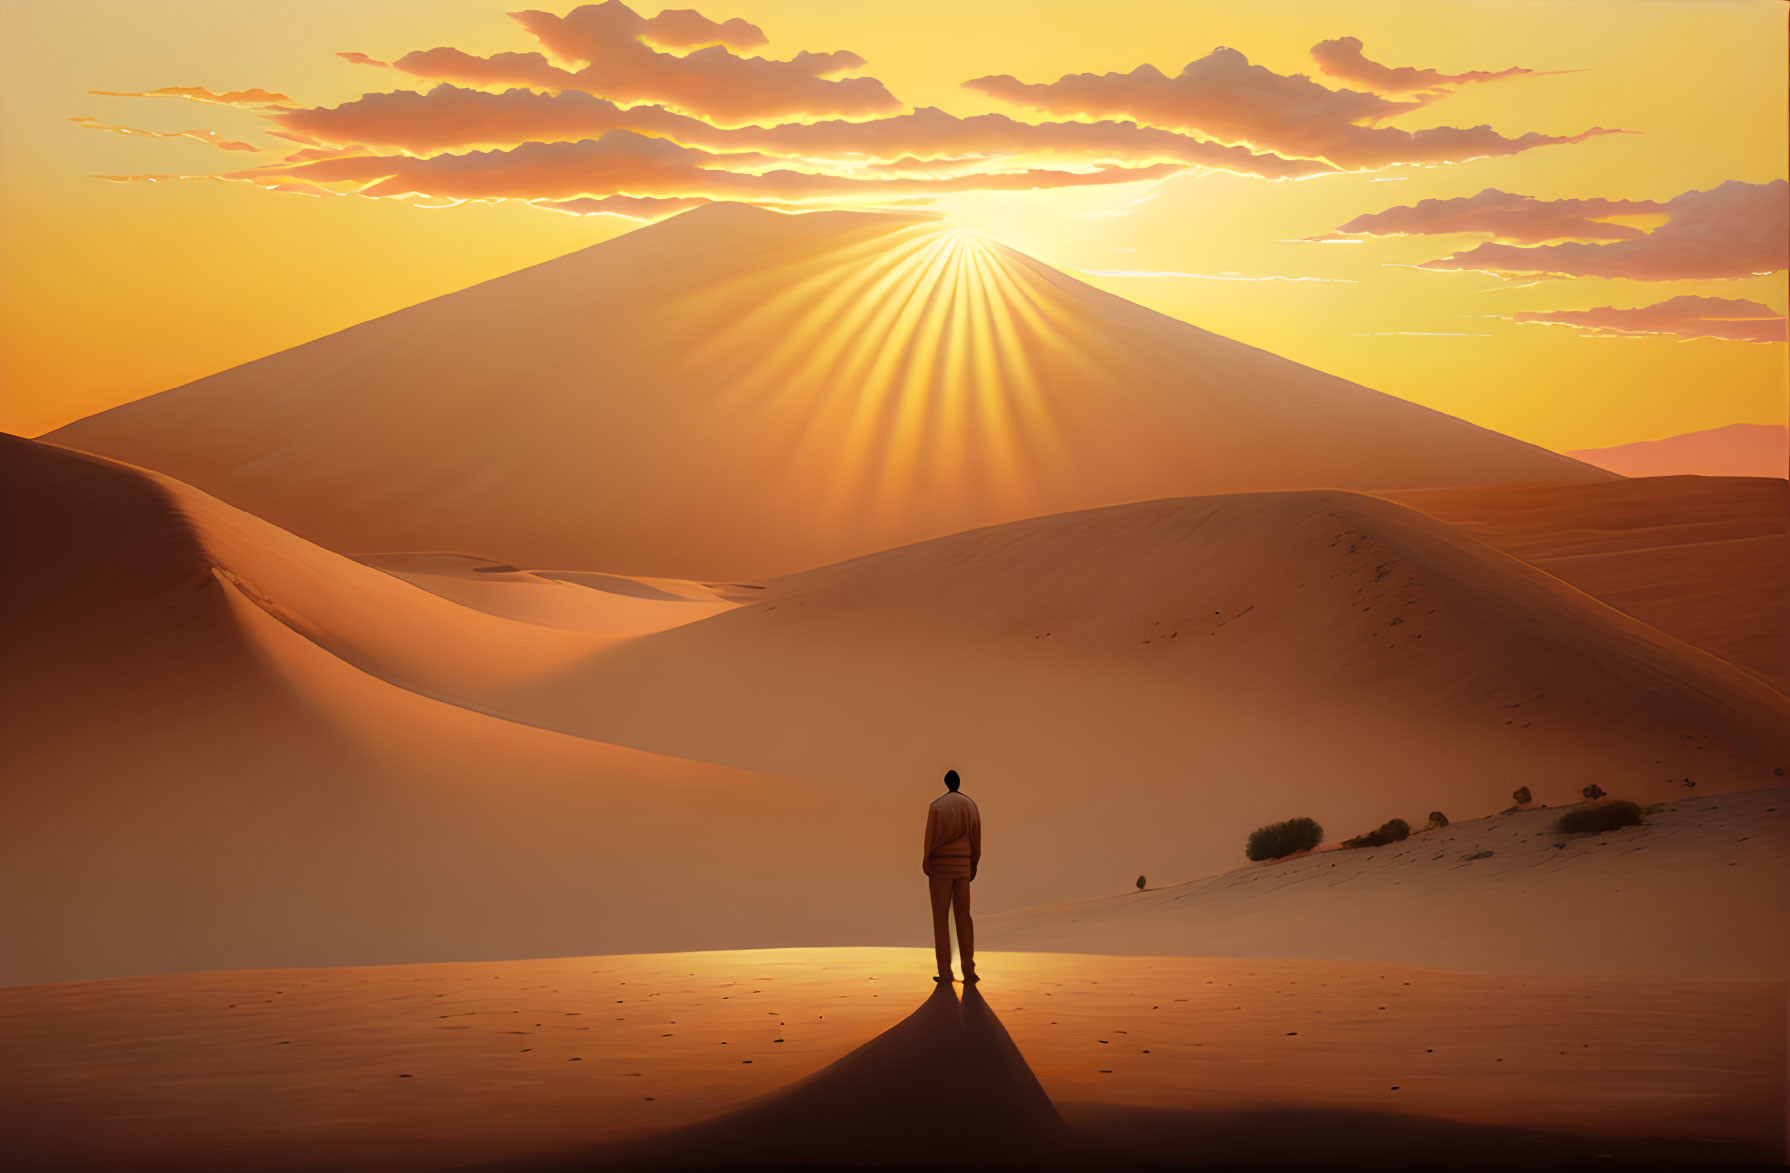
{"x": 1738, "y": 450}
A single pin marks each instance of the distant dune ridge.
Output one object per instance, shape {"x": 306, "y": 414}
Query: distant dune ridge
{"x": 237, "y": 749}
{"x": 1705, "y": 559}
{"x": 1737, "y": 450}
{"x": 739, "y": 392}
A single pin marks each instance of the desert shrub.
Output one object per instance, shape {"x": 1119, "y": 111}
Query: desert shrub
{"x": 1521, "y": 795}
{"x": 1604, "y": 817}
{"x": 1437, "y": 819}
{"x": 1391, "y": 831}
{"x": 1278, "y": 839}
{"x": 1140, "y": 883}
{"x": 1593, "y": 792}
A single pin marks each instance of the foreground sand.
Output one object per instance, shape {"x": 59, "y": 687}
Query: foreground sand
{"x": 463, "y": 1064}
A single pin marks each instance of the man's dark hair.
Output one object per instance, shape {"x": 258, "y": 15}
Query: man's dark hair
{"x": 951, "y": 780}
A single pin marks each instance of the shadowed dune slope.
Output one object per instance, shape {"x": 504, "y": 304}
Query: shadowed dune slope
{"x": 1705, "y": 559}
{"x": 1133, "y": 689}
{"x": 191, "y": 783}
{"x": 739, "y": 392}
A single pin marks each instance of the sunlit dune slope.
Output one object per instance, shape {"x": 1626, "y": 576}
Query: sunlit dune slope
{"x": 1706, "y": 559}
{"x": 1133, "y": 689}
{"x": 738, "y": 392}
{"x": 190, "y": 782}
{"x": 1700, "y": 889}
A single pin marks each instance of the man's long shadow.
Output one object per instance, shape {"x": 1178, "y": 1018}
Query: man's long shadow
{"x": 947, "y": 1087}
{"x": 944, "y": 1086}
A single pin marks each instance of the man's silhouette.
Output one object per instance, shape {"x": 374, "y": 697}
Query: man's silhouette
{"x": 953, "y": 852}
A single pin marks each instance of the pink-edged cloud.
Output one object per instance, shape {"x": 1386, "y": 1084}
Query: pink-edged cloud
{"x": 712, "y": 82}
{"x": 1343, "y": 59}
{"x": 450, "y": 116}
{"x": 1734, "y": 230}
{"x": 1224, "y": 97}
{"x": 624, "y": 163}
{"x": 1727, "y": 318}
{"x": 586, "y": 33}
{"x": 619, "y": 113}
{"x": 208, "y": 137}
{"x": 1519, "y": 219}
{"x": 201, "y": 94}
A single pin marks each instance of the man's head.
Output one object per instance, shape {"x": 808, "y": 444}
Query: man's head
{"x": 951, "y": 781}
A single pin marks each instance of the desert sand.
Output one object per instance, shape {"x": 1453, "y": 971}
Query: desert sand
{"x": 1700, "y": 889}
{"x": 586, "y": 601}
{"x": 1705, "y": 559}
{"x": 350, "y": 768}
{"x": 250, "y": 799}
{"x": 1737, "y": 450}
{"x": 621, "y": 614}
{"x": 620, "y": 1061}
{"x": 737, "y": 392}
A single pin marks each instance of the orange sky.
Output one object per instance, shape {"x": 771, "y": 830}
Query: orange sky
{"x": 117, "y": 290}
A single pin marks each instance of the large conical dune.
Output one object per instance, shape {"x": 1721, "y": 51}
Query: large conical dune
{"x": 739, "y": 392}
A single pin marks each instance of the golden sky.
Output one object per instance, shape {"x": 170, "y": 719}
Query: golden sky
{"x": 116, "y": 289}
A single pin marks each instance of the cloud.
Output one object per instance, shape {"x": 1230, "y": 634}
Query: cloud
{"x": 450, "y": 116}
{"x": 201, "y": 94}
{"x": 624, "y": 163}
{"x": 1735, "y": 230}
{"x": 686, "y": 28}
{"x": 1728, "y": 318}
{"x": 1222, "y": 96}
{"x": 209, "y": 137}
{"x": 650, "y": 111}
{"x": 1516, "y": 218}
{"x": 1342, "y": 59}
{"x": 712, "y": 81}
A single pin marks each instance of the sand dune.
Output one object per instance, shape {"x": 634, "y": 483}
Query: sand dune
{"x": 1117, "y": 685}
{"x": 558, "y": 1063}
{"x": 1705, "y": 559}
{"x": 1701, "y": 889}
{"x": 738, "y": 392}
{"x": 1738, "y": 450}
{"x": 586, "y": 601}
{"x": 1132, "y": 689}
{"x": 192, "y": 783}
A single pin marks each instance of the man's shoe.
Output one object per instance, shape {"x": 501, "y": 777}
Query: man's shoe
{"x": 944, "y": 979}
{"x": 969, "y": 977}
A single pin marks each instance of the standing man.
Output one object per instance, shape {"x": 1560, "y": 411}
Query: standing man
{"x": 953, "y": 852}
